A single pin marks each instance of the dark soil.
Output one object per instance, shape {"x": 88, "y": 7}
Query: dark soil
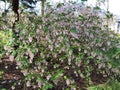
{"x": 13, "y": 76}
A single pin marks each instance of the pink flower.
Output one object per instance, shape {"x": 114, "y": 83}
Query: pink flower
{"x": 64, "y": 1}
{"x": 11, "y": 58}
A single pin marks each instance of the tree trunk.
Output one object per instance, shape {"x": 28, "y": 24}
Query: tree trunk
{"x": 42, "y": 7}
{"x": 15, "y": 7}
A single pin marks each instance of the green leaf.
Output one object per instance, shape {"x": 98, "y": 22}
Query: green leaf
{"x": 45, "y": 29}
{"x": 1, "y": 72}
{"x": 81, "y": 17}
{"x": 50, "y": 86}
{"x": 56, "y": 75}
{"x": 73, "y": 30}
{"x": 97, "y": 8}
{"x": 14, "y": 53}
{"x": 47, "y": 86}
{"x": 59, "y": 5}
{"x": 3, "y": 89}
{"x": 1, "y": 77}
{"x": 83, "y": 0}
{"x": 65, "y": 77}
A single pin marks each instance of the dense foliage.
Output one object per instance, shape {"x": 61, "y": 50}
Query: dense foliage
{"x": 69, "y": 45}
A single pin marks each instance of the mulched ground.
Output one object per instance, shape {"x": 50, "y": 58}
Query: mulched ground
{"x": 12, "y": 76}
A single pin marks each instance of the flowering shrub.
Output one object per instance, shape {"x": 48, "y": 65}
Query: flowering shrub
{"x": 65, "y": 47}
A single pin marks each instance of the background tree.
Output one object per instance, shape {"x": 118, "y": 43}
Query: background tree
{"x": 15, "y": 7}
{"x": 42, "y": 7}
